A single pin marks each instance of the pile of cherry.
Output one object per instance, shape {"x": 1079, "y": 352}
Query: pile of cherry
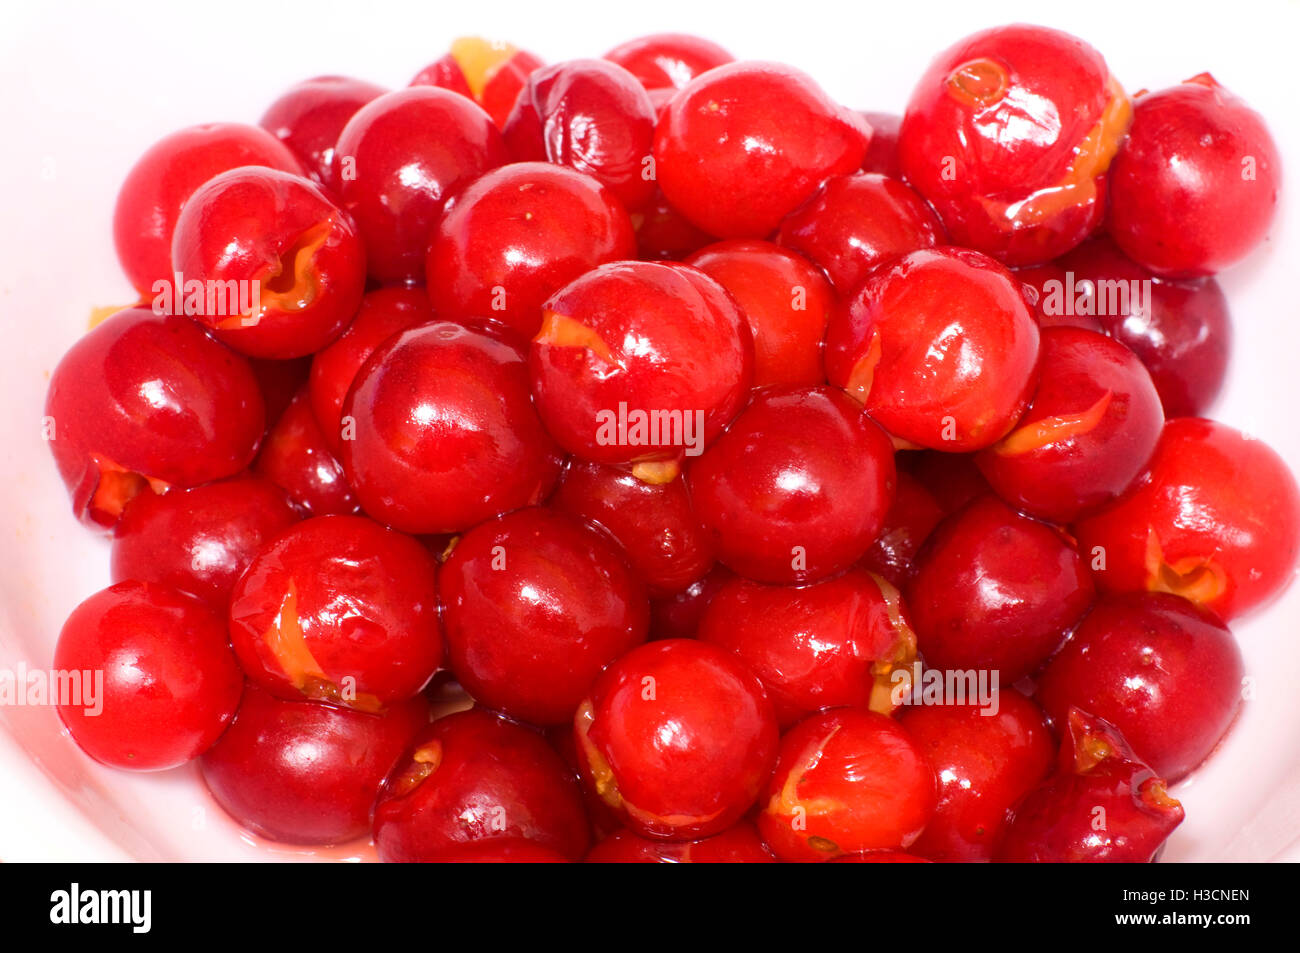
{"x": 689, "y": 422}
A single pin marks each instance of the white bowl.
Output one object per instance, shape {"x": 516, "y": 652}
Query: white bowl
{"x": 91, "y": 87}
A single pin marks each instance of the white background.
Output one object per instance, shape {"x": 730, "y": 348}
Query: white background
{"x": 85, "y": 88}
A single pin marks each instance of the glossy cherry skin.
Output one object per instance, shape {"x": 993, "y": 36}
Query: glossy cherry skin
{"x": 309, "y": 117}
{"x": 1166, "y": 674}
{"x": 668, "y": 60}
{"x": 661, "y": 344}
{"x": 855, "y": 223}
{"x": 847, "y": 780}
{"x": 785, "y": 299}
{"x": 736, "y": 845}
{"x": 534, "y": 605}
{"x": 654, "y": 523}
{"x": 996, "y": 590}
{"x": 397, "y": 162}
{"x": 487, "y": 71}
{"x": 828, "y": 645}
{"x": 279, "y": 235}
{"x": 518, "y": 235}
{"x": 678, "y": 738}
{"x": 1009, "y": 134}
{"x": 1090, "y": 429}
{"x": 1181, "y": 330}
{"x": 664, "y": 234}
{"x": 201, "y": 540}
{"x": 911, "y": 518}
{"x": 591, "y": 116}
{"x": 305, "y": 773}
{"x": 1196, "y": 186}
{"x": 169, "y": 685}
{"x": 444, "y": 434}
{"x": 163, "y": 179}
{"x": 797, "y": 488}
{"x": 297, "y": 458}
{"x": 1060, "y": 822}
{"x": 383, "y": 313}
{"x": 341, "y": 610}
{"x": 678, "y": 616}
{"x": 476, "y": 776}
{"x": 882, "y": 153}
{"x": 940, "y": 347}
{"x": 1215, "y": 518}
{"x": 143, "y": 401}
{"x": 745, "y": 144}
{"x": 986, "y": 760}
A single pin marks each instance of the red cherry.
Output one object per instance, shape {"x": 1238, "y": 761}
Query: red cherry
{"x": 535, "y": 604}
{"x": 745, "y": 143}
{"x": 444, "y": 434}
{"x": 339, "y": 609}
{"x": 518, "y": 235}
{"x": 474, "y": 776}
{"x": 911, "y": 518}
{"x": 882, "y": 154}
{"x": 986, "y": 757}
{"x": 309, "y": 116}
{"x": 307, "y": 773}
{"x": 158, "y": 681}
{"x": 1195, "y": 187}
{"x": 487, "y": 71}
{"x": 678, "y": 738}
{"x": 668, "y": 60}
{"x": 1215, "y": 518}
{"x": 163, "y": 179}
{"x": 143, "y": 402}
{"x": 797, "y": 488}
{"x": 847, "y": 780}
{"x": 677, "y": 616}
{"x": 199, "y": 541}
{"x": 397, "y": 162}
{"x": 297, "y": 458}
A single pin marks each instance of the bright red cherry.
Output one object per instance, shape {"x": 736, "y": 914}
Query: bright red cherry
{"x": 158, "y": 682}
{"x": 591, "y": 116}
{"x": 746, "y": 143}
{"x": 668, "y": 60}
{"x": 1103, "y": 805}
{"x": 144, "y": 401}
{"x": 797, "y": 488}
{"x": 855, "y": 223}
{"x": 309, "y": 116}
{"x": 1089, "y": 430}
{"x": 1181, "y": 330}
{"x": 1195, "y": 187}
{"x": 306, "y": 773}
{"x": 201, "y": 540}
{"x": 534, "y": 605}
{"x": 1009, "y": 134}
{"x": 940, "y": 347}
{"x": 639, "y": 362}
{"x": 518, "y": 235}
{"x": 847, "y": 780}
{"x": 832, "y": 644}
{"x": 339, "y": 609}
{"x": 397, "y": 162}
{"x": 736, "y": 845}
{"x": 383, "y": 313}
{"x": 297, "y": 458}
{"x": 678, "y": 738}
{"x": 654, "y": 523}
{"x": 279, "y": 237}
{"x": 996, "y": 590}
{"x": 1215, "y": 518}
{"x": 986, "y": 759}
{"x": 474, "y": 776}
{"x": 164, "y": 178}
{"x": 489, "y": 72}
{"x": 1166, "y": 674}
{"x": 785, "y": 299}
{"x": 440, "y": 432}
